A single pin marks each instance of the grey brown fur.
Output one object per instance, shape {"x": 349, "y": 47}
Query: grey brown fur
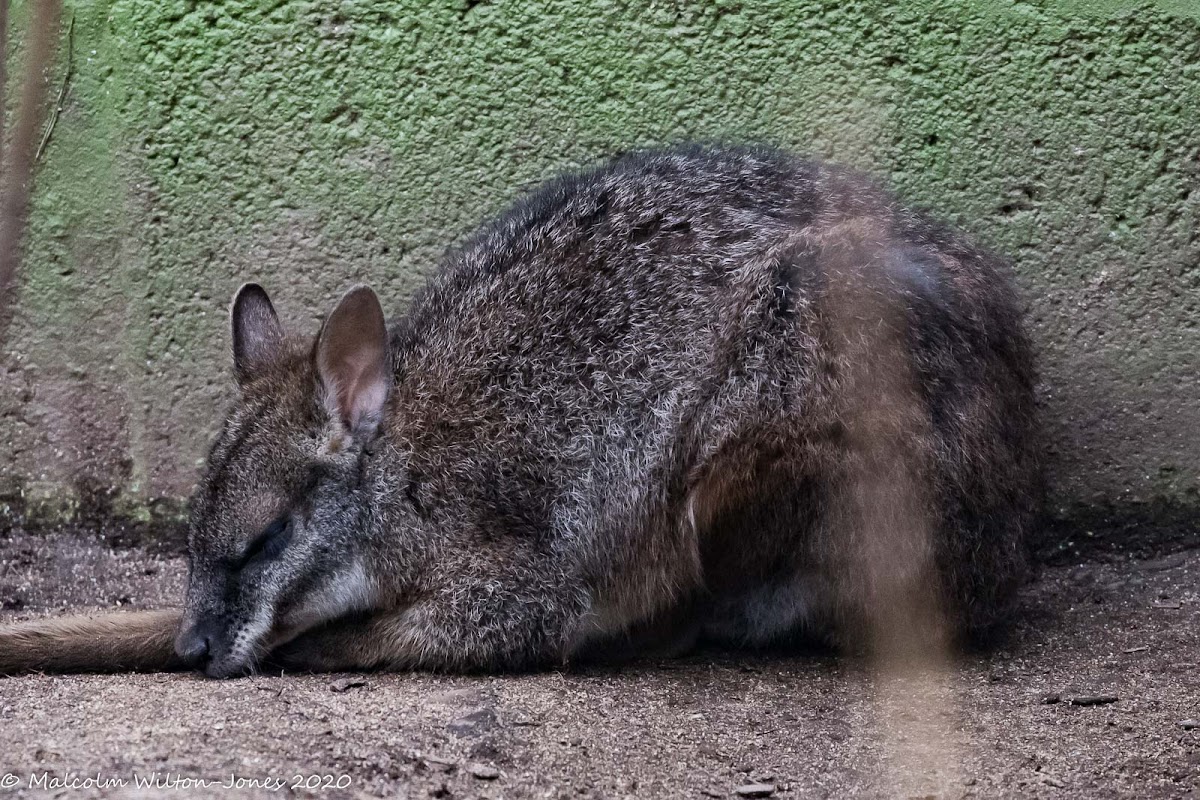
{"x": 632, "y": 412}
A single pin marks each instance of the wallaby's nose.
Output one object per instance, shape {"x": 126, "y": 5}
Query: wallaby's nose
{"x": 193, "y": 646}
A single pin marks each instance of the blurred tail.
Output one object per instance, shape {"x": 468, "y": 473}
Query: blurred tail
{"x": 142, "y": 641}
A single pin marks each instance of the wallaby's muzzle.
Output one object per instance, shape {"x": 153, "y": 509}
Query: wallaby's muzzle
{"x": 193, "y": 645}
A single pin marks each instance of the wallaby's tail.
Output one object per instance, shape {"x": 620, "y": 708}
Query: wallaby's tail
{"x": 141, "y": 641}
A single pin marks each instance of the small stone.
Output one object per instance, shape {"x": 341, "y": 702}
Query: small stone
{"x": 1171, "y": 604}
{"x": 526, "y": 722}
{"x": 755, "y": 790}
{"x": 437, "y": 764}
{"x": 1189, "y": 724}
{"x": 1092, "y": 700}
{"x": 483, "y": 772}
{"x": 474, "y": 724}
{"x": 345, "y": 684}
{"x": 1159, "y": 564}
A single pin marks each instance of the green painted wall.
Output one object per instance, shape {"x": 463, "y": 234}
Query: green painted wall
{"x": 310, "y": 145}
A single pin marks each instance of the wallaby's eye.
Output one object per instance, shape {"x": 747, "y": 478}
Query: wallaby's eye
{"x": 271, "y": 542}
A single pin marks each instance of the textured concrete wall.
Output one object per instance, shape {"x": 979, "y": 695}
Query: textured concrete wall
{"x": 311, "y": 145}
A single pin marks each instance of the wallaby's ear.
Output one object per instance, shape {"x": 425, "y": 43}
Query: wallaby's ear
{"x": 257, "y": 334}
{"x": 353, "y": 362}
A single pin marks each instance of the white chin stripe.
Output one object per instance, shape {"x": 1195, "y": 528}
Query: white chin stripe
{"x": 350, "y": 590}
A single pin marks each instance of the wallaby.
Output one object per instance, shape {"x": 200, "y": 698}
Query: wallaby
{"x": 627, "y": 415}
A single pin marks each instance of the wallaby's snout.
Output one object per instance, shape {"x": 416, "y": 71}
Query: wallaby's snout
{"x": 193, "y": 645}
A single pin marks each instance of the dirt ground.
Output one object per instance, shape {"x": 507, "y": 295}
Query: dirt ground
{"x": 796, "y": 725}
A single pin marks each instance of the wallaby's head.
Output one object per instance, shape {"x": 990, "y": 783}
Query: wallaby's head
{"x": 275, "y": 530}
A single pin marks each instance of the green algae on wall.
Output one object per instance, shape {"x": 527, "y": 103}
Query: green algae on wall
{"x": 311, "y": 145}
